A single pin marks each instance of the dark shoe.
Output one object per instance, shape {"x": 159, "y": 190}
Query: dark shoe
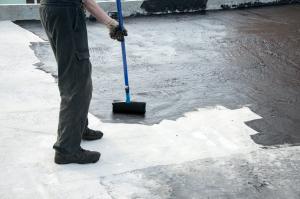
{"x": 90, "y": 134}
{"x": 80, "y": 157}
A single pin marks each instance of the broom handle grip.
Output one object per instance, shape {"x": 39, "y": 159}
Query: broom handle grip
{"x": 121, "y": 24}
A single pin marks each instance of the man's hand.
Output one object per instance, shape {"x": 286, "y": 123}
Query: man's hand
{"x": 115, "y": 31}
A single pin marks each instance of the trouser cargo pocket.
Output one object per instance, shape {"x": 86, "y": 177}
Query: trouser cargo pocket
{"x": 82, "y": 55}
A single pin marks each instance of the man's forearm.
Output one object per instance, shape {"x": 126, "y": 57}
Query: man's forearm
{"x": 97, "y": 12}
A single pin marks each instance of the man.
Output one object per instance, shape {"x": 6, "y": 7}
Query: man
{"x": 64, "y": 23}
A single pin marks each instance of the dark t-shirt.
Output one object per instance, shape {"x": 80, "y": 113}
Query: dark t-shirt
{"x": 61, "y": 2}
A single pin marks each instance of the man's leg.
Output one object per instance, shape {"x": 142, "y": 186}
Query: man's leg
{"x": 66, "y": 29}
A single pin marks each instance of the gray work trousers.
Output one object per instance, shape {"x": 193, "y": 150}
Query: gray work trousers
{"x": 66, "y": 30}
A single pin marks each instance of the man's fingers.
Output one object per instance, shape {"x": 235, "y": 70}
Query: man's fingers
{"x": 112, "y": 35}
{"x": 120, "y": 39}
{"x": 125, "y": 32}
{"x": 120, "y": 36}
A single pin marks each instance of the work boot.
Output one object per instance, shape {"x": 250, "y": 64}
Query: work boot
{"x": 90, "y": 134}
{"x": 80, "y": 157}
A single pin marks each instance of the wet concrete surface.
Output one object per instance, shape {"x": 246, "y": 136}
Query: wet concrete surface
{"x": 178, "y": 63}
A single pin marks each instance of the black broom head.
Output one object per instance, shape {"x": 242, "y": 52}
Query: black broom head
{"x": 138, "y": 108}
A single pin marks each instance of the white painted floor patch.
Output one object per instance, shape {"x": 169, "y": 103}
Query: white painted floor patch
{"x": 208, "y": 132}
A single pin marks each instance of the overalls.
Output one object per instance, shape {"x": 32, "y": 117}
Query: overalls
{"x": 64, "y": 23}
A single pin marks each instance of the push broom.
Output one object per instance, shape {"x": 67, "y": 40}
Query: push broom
{"x": 127, "y": 107}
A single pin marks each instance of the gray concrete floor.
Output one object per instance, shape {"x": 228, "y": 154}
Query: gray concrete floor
{"x": 178, "y": 63}
{"x": 261, "y": 174}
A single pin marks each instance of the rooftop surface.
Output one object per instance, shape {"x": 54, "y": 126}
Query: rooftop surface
{"x": 222, "y": 121}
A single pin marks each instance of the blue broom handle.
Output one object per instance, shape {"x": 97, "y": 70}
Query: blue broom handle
{"x": 120, "y": 17}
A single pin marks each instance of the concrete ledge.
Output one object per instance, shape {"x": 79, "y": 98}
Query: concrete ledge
{"x": 18, "y": 12}
{"x": 31, "y": 12}
{"x": 144, "y": 7}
